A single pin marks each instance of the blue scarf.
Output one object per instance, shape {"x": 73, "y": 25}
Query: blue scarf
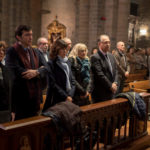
{"x": 66, "y": 70}
{"x": 85, "y": 69}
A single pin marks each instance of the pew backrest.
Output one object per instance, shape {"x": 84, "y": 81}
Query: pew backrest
{"x": 140, "y": 86}
{"x": 134, "y": 77}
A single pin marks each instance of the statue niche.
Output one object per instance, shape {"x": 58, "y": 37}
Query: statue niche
{"x": 56, "y": 31}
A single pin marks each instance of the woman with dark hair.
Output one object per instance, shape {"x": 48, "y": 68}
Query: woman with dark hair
{"x": 61, "y": 84}
{"x": 94, "y": 50}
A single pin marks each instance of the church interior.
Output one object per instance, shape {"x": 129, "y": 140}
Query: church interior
{"x": 109, "y": 124}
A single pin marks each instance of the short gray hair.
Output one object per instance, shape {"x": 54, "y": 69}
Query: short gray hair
{"x": 101, "y": 37}
{"x": 40, "y": 39}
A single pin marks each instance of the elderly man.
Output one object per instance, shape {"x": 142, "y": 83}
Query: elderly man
{"x": 42, "y": 44}
{"x": 122, "y": 65}
{"x": 104, "y": 72}
{"x": 69, "y": 44}
{"x": 26, "y": 65}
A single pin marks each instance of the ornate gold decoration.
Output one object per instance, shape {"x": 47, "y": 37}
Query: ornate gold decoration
{"x": 56, "y": 31}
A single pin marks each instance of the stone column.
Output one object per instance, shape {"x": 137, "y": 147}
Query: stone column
{"x": 109, "y": 17}
{"x": 35, "y": 21}
{"x": 12, "y": 20}
{"x": 110, "y": 25}
{"x": 83, "y": 27}
{"x": 93, "y": 24}
{"x": 122, "y": 21}
{"x": 5, "y": 21}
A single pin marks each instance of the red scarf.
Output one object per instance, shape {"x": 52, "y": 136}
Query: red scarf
{"x": 32, "y": 84}
{"x": 24, "y": 58}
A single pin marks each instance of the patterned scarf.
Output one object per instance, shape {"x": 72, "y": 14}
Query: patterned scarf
{"x": 85, "y": 69}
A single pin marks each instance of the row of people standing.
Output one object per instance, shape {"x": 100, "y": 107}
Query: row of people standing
{"x": 75, "y": 78}
{"x": 138, "y": 59}
{"x": 71, "y": 76}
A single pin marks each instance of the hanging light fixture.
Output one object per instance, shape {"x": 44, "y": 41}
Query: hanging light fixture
{"x": 143, "y": 30}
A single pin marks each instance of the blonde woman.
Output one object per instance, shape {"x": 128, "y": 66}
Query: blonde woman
{"x": 80, "y": 66}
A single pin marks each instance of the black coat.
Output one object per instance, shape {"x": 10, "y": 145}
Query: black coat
{"x": 102, "y": 78}
{"x": 57, "y": 84}
{"x": 5, "y": 95}
{"x": 44, "y": 80}
{"x": 81, "y": 87}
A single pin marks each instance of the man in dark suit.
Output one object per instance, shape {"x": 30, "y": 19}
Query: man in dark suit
{"x": 104, "y": 72}
{"x": 42, "y": 50}
{"x": 42, "y": 44}
{"x": 28, "y": 70}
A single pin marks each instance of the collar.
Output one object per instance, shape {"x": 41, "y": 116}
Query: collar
{"x": 25, "y": 48}
{"x": 40, "y": 50}
{"x": 3, "y": 62}
{"x": 120, "y": 53}
{"x": 103, "y": 52}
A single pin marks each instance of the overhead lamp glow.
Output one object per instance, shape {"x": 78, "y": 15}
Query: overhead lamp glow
{"x": 143, "y": 32}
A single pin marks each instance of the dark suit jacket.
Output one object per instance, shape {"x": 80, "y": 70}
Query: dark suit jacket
{"x": 5, "y": 95}
{"x": 44, "y": 80}
{"x": 42, "y": 56}
{"x": 22, "y": 104}
{"x": 102, "y": 76}
{"x": 57, "y": 84}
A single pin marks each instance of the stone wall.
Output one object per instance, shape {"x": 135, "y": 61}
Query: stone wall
{"x": 16, "y": 12}
{"x": 85, "y": 19}
{"x": 65, "y": 12}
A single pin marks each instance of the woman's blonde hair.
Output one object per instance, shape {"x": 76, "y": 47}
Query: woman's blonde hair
{"x": 78, "y": 47}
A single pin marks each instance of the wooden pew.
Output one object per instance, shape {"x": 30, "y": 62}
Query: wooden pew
{"x": 111, "y": 113}
{"x": 140, "y": 86}
{"x": 134, "y": 77}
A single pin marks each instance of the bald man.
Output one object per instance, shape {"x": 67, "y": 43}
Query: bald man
{"x": 122, "y": 65}
{"x": 104, "y": 72}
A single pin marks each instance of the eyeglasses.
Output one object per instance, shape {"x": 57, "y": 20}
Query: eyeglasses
{"x": 106, "y": 42}
{"x": 44, "y": 43}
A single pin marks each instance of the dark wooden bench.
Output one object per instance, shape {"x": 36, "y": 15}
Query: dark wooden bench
{"x": 134, "y": 77}
{"x": 37, "y": 131}
{"x": 140, "y": 86}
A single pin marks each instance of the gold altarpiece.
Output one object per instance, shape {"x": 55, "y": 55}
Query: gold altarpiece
{"x": 56, "y": 31}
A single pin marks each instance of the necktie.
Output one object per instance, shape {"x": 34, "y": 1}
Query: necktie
{"x": 27, "y": 53}
{"x": 109, "y": 63}
{"x": 31, "y": 59}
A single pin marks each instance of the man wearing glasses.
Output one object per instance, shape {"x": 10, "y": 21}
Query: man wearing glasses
{"x": 104, "y": 72}
{"x": 42, "y": 44}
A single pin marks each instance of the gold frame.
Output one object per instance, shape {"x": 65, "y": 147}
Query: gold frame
{"x": 56, "y": 30}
